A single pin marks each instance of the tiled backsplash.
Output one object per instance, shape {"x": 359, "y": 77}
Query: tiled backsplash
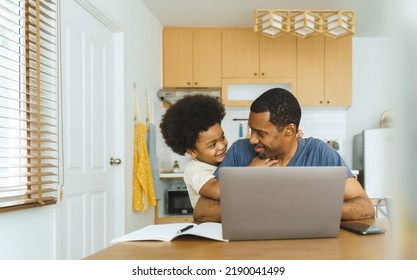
{"x": 324, "y": 123}
{"x": 165, "y": 155}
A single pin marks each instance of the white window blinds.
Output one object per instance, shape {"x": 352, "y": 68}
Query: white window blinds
{"x": 29, "y": 104}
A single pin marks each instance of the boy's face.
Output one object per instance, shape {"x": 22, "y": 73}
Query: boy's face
{"x": 211, "y": 146}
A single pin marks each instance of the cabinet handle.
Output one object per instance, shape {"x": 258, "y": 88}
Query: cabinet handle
{"x": 189, "y": 83}
{"x": 321, "y": 101}
{"x": 255, "y": 74}
{"x": 196, "y": 83}
{"x": 262, "y": 74}
{"x": 328, "y": 102}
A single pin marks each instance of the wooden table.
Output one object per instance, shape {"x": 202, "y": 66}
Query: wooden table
{"x": 346, "y": 246}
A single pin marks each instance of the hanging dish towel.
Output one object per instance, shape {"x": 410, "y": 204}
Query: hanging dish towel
{"x": 143, "y": 189}
{"x": 153, "y": 158}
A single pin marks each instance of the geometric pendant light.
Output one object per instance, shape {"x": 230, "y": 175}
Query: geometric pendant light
{"x": 304, "y": 23}
{"x": 338, "y": 24}
{"x": 271, "y": 23}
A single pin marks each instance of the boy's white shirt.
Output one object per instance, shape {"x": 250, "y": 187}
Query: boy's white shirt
{"x": 196, "y": 174}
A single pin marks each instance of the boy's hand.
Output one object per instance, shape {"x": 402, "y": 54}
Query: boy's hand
{"x": 260, "y": 162}
{"x": 299, "y": 134}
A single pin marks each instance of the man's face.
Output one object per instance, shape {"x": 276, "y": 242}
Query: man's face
{"x": 268, "y": 142}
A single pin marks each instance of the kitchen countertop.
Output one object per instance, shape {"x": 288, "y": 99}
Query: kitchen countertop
{"x": 171, "y": 175}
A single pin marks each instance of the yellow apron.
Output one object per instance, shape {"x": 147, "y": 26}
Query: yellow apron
{"x": 143, "y": 189}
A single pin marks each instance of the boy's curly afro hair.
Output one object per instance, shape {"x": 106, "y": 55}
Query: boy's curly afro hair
{"x": 184, "y": 120}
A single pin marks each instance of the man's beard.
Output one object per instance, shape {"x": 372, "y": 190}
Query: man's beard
{"x": 262, "y": 156}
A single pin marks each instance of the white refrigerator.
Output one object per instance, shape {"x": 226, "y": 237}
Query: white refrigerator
{"x": 375, "y": 156}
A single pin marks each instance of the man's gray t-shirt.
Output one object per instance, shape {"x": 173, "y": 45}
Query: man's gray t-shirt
{"x": 310, "y": 152}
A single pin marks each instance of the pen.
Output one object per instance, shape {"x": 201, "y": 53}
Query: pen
{"x": 185, "y": 229}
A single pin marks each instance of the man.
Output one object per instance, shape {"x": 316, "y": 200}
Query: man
{"x": 274, "y": 119}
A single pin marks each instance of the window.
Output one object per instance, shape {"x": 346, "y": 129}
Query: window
{"x": 29, "y": 104}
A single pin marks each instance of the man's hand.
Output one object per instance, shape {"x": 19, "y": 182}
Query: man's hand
{"x": 262, "y": 162}
{"x": 207, "y": 210}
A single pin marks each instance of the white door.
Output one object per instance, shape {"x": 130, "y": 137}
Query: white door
{"x": 88, "y": 98}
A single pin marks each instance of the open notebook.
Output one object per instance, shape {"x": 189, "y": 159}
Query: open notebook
{"x": 168, "y": 232}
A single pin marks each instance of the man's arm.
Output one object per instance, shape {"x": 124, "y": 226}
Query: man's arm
{"x": 356, "y": 203}
{"x": 207, "y": 210}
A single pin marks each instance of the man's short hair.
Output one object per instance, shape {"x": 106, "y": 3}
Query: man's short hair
{"x": 282, "y": 105}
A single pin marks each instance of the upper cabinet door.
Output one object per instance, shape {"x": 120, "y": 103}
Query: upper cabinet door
{"x": 319, "y": 68}
{"x": 338, "y": 71}
{"x": 310, "y": 71}
{"x": 278, "y": 57}
{"x": 324, "y": 71}
{"x": 177, "y": 57}
{"x": 240, "y": 53}
{"x": 207, "y": 58}
{"x": 192, "y": 57}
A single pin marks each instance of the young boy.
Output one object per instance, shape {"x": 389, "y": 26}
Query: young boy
{"x": 193, "y": 125}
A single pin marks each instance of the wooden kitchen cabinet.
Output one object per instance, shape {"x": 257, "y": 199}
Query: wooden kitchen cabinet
{"x": 245, "y": 54}
{"x": 240, "y": 53}
{"x": 191, "y": 57}
{"x": 324, "y": 71}
{"x": 278, "y": 57}
{"x": 310, "y": 71}
{"x": 207, "y": 58}
{"x": 338, "y": 71}
{"x": 319, "y": 68}
{"x": 177, "y": 57}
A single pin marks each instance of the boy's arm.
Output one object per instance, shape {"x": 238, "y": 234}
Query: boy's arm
{"x": 211, "y": 189}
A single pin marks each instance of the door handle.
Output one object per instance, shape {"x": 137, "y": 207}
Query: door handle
{"x": 115, "y": 161}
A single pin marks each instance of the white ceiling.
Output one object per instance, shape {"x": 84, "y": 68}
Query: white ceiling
{"x": 370, "y": 14}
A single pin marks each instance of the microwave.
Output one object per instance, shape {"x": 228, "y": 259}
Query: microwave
{"x": 179, "y": 202}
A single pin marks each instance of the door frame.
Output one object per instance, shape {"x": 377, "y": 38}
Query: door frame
{"x": 119, "y": 65}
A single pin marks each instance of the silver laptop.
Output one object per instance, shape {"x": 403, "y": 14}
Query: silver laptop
{"x": 281, "y": 202}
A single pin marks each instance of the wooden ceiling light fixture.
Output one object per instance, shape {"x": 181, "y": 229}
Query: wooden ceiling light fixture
{"x": 304, "y": 23}
{"x": 338, "y": 24}
{"x": 272, "y": 23}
